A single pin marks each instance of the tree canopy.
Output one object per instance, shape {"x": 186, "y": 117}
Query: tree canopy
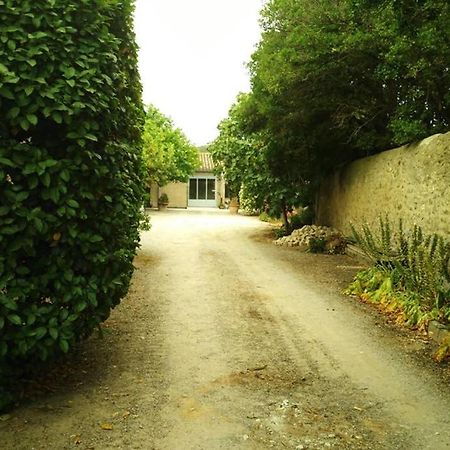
{"x": 241, "y": 155}
{"x": 333, "y": 81}
{"x": 168, "y": 154}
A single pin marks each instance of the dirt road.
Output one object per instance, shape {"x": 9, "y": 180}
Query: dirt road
{"x": 229, "y": 342}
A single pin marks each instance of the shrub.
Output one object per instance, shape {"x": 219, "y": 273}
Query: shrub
{"x": 317, "y": 245}
{"x": 410, "y": 273}
{"x": 163, "y": 199}
{"x": 280, "y": 232}
{"x": 70, "y": 172}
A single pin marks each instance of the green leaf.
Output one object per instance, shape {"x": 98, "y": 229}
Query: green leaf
{"x": 14, "y": 112}
{"x": 53, "y": 332}
{"x": 15, "y": 319}
{"x": 81, "y": 306}
{"x": 21, "y": 196}
{"x": 64, "y": 345}
{"x": 46, "y": 179}
{"x": 31, "y": 319}
{"x": 68, "y": 275}
{"x": 41, "y": 332}
{"x": 6, "y": 92}
{"x": 7, "y": 162}
{"x": 57, "y": 117}
{"x": 29, "y": 90}
{"x": 24, "y": 124}
{"x": 70, "y": 72}
{"x": 71, "y": 83}
{"x": 38, "y": 224}
{"x": 32, "y": 118}
{"x": 32, "y": 62}
{"x": 73, "y": 203}
{"x": 3, "y": 348}
{"x": 65, "y": 175}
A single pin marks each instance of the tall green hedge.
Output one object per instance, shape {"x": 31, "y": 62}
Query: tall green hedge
{"x": 70, "y": 171}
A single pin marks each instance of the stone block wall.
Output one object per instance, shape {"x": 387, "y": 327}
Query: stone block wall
{"x": 411, "y": 182}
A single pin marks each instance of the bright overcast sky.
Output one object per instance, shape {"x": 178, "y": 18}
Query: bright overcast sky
{"x": 192, "y": 58}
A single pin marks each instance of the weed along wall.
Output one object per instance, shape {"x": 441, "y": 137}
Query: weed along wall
{"x": 411, "y": 182}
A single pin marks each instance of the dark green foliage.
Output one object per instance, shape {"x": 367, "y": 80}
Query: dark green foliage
{"x": 70, "y": 168}
{"x": 281, "y": 232}
{"x": 352, "y": 78}
{"x": 416, "y": 265}
{"x": 242, "y": 155}
{"x": 317, "y": 245}
{"x": 163, "y": 199}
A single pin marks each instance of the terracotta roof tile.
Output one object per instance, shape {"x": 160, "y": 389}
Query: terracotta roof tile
{"x": 206, "y": 161}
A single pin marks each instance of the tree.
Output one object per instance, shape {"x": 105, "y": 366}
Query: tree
{"x": 70, "y": 173}
{"x": 168, "y": 154}
{"x": 242, "y": 156}
{"x": 352, "y": 78}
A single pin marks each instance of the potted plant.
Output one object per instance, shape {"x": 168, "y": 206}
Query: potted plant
{"x": 163, "y": 202}
{"x": 233, "y": 207}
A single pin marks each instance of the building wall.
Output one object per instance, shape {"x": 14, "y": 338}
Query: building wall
{"x": 411, "y": 182}
{"x": 177, "y": 193}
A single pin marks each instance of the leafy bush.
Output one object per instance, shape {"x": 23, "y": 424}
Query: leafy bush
{"x": 411, "y": 271}
{"x": 281, "y": 232}
{"x": 70, "y": 172}
{"x": 317, "y": 245}
{"x": 163, "y": 199}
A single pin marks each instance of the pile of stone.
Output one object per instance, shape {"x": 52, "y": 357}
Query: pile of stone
{"x": 315, "y": 236}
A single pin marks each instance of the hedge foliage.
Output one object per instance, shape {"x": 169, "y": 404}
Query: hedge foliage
{"x": 70, "y": 171}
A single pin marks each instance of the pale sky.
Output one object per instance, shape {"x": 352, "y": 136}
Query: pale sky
{"x": 192, "y": 58}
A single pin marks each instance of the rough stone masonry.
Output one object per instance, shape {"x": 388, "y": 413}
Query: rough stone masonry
{"x": 411, "y": 182}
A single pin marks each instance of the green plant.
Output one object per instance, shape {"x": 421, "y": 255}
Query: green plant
{"x": 70, "y": 173}
{"x": 280, "y": 232}
{"x": 163, "y": 199}
{"x": 411, "y": 271}
{"x": 317, "y": 245}
{"x": 167, "y": 153}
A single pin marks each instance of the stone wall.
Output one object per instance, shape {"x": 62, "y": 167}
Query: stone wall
{"x": 410, "y": 182}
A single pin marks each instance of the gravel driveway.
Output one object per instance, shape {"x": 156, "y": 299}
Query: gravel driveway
{"x": 226, "y": 341}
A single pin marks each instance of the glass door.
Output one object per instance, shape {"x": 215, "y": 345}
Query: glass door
{"x": 202, "y": 191}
